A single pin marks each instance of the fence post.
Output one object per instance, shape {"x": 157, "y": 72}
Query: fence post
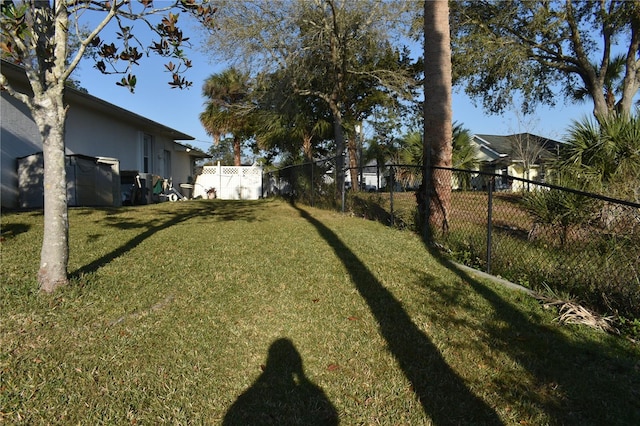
{"x": 343, "y": 188}
{"x": 392, "y": 175}
{"x": 312, "y": 183}
{"x": 220, "y": 179}
{"x": 492, "y": 181}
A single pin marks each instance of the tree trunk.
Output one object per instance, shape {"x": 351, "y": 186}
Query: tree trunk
{"x": 600, "y": 105}
{"x": 434, "y": 198}
{"x": 307, "y": 147}
{"x": 49, "y": 115}
{"x": 237, "y": 148}
{"x": 339, "y": 138}
{"x": 352, "y": 147}
{"x": 632, "y": 78}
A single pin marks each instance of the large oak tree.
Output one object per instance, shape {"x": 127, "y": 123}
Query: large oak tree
{"x": 543, "y": 50}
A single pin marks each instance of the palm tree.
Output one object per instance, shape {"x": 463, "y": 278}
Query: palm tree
{"x": 215, "y": 121}
{"x": 604, "y": 156}
{"x": 410, "y": 157}
{"x": 434, "y": 198}
{"x": 227, "y": 109}
{"x": 599, "y": 157}
{"x": 463, "y": 155}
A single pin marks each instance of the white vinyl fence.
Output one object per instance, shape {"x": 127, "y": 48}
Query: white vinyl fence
{"x": 229, "y": 182}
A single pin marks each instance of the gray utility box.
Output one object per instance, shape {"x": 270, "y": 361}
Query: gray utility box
{"x": 91, "y": 181}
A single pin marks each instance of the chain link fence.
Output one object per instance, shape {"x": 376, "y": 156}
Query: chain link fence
{"x": 577, "y": 245}
{"x": 310, "y": 183}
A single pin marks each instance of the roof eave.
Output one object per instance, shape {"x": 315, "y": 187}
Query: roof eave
{"x": 13, "y": 71}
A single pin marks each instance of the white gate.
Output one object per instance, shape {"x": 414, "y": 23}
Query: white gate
{"x": 230, "y": 182}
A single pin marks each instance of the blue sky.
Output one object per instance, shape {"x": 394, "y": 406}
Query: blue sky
{"x": 179, "y": 109}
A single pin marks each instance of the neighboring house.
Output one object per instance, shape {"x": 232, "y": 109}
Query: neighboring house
{"x": 371, "y": 177}
{"x": 521, "y": 155}
{"x": 117, "y": 142}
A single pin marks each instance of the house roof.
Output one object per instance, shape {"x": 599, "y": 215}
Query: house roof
{"x": 15, "y": 72}
{"x": 506, "y": 146}
{"x": 194, "y": 152}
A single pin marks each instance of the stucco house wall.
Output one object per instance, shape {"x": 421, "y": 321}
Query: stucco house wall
{"x": 92, "y": 132}
{"x": 16, "y": 140}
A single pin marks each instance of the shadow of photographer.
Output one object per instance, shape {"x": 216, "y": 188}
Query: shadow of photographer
{"x": 282, "y": 395}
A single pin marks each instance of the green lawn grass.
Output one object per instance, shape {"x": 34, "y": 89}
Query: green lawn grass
{"x": 222, "y": 312}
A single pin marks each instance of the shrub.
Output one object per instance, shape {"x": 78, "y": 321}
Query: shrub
{"x": 558, "y": 213}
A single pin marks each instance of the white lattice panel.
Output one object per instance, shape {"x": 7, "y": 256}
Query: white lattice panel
{"x": 252, "y": 172}
{"x": 231, "y": 171}
{"x": 209, "y": 170}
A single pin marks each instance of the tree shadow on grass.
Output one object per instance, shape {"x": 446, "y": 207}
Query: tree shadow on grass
{"x": 13, "y": 229}
{"x": 282, "y": 395}
{"x": 442, "y": 393}
{"x": 158, "y": 224}
{"x": 573, "y": 382}
{"x": 236, "y": 210}
{"x": 370, "y": 208}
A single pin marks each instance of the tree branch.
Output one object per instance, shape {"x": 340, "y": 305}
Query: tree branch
{"x": 91, "y": 37}
{"x": 5, "y": 85}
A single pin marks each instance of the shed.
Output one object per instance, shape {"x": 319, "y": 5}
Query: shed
{"x": 91, "y": 181}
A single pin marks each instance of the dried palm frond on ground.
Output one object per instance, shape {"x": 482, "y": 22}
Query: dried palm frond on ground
{"x": 569, "y": 311}
{"x": 572, "y": 313}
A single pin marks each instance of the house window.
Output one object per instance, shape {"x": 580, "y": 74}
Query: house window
{"x": 505, "y": 181}
{"x": 192, "y": 170}
{"x": 147, "y": 153}
{"x": 167, "y": 163}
